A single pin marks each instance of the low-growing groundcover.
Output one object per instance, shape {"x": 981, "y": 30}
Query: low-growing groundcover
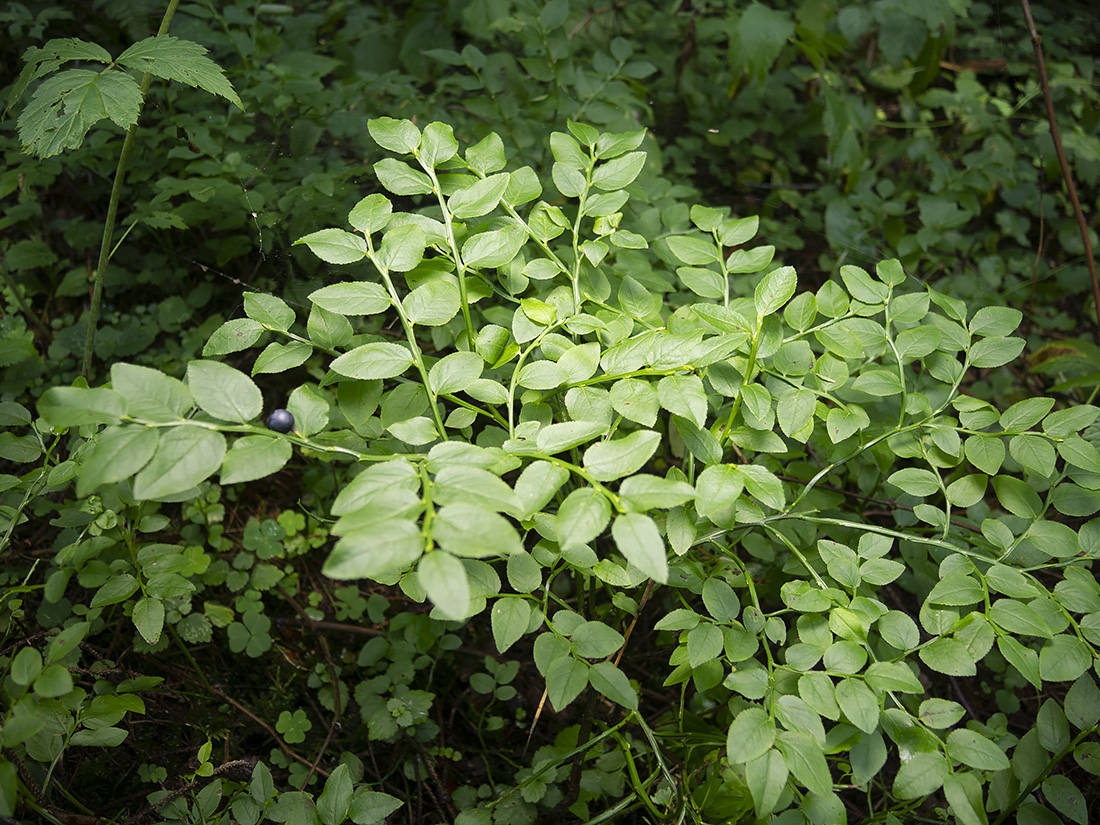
{"x": 768, "y": 558}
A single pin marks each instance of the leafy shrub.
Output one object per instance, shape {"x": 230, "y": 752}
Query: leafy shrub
{"x": 522, "y": 399}
{"x": 569, "y": 400}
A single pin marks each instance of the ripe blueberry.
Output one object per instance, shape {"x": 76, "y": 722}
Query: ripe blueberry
{"x": 280, "y": 421}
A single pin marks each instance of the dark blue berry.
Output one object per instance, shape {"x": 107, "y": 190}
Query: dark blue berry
{"x": 280, "y": 421}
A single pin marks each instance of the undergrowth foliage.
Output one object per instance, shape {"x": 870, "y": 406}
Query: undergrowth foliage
{"x": 582, "y": 428}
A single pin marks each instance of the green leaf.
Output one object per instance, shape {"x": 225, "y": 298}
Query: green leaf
{"x": 310, "y": 410}
{"x": 537, "y": 484}
{"x": 638, "y": 539}
{"x": 964, "y": 794}
{"x": 859, "y": 703}
{"x": 704, "y": 644}
{"x": 940, "y": 713}
{"x": 995, "y": 352}
{"x": 557, "y": 438}
{"x": 1025, "y": 414}
{"x": 1024, "y": 659}
{"x": 806, "y": 761}
{"x": 862, "y": 287}
{"x": 1064, "y": 659}
{"x": 444, "y": 578}
{"x": 370, "y": 807}
{"x": 437, "y": 144}
{"x": 704, "y": 282}
{"x": 233, "y": 336}
{"x": 921, "y": 775}
{"x": 223, "y": 392}
{"x": 354, "y": 298}
{"x": 612, "y": 683}
{"x": 332, "y": 805}
{"x": 1017, "y": 617}
{"x": 170, "y": 58}
{"x": 1061, "y": 423}
{"x": 494, "y": 248}
{"x": 65, "y": 106}
{"x": 1017, "y": 497}
{"x": 119, "y": 452}
{"x": 956, "y": 589}
{"x": 775, "y": 289}
{"x": 77, "y": 406}
{"x": 582, "y": 517}
{"x": 402, "y": 248}
{"x": 620, "y": 172}
{"x": 542, "y": 375}
{"x": 718, "y": 488}
{"x": 882, "y": 383}
{"x": 455, "y": 372}
{"x": 254, "y": 457}
{"x": 335, "y": 246}
{"x": 60, "y": 50}
{"x": 635, "y": 400}
{"x": 766, "y": 778}
{"x": 762, "y": 485}
{"x": 418, "y": 430}
{"x": 487, "y": 155}
{"x": 386, "y": 548}
{"x": 371, "y": 214}
{"x": 641, "y": 491}
{"x": 184, "y": 457}
{"x": 842, "y": 423}
{"x": 278, "y": 357}
{"x": 609, "y": 460}
{"x": 683, "y": 395}
{"x": 479, "y": 199}
{"x": 995, "y": 322}
{"x": 150, "y": 394}
{"x": 116, "y": 589}
{"x": 975, "y": 751}
{"x": 693, "y": 251}
{"x": 1083, "y": 703}
{"x": 399, "y": 136}
{"x": 379, "y": 360}
{"x": 149, "y": 619}
{"x": 565, "y": 679}
{"x": 523, "y": 186}
{"x": 328, "y": 330}
{"x": 751, "y": 735}
{"x": 595, "y": 640}
{"x": 968, "y": 490}
{"x": 948, "y": 656}
{"x": 26, "y": 665}
{"x": 474, "y": 532}
{"x": 744, "y": 261}
{"x": 1066, "y": 798}
{"x": 1080, "y": 453}
{"x": 795, "y": 409}
{"x": 402, "y": 179}
{"x": 917, "y": 342}
{"x": 432, "y": 304}
{"x": 987, "y": 453}
{"x": 108, "y": 737}
{"x": 509, "y": 618}
{"x": 915, "y": 481}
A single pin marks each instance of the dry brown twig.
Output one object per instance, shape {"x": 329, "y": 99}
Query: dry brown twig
{"x": 1055, "y": 135}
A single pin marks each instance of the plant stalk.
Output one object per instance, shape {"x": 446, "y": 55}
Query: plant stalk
{"x": 112, "y": 210}
{"x": 1037, "y": 43}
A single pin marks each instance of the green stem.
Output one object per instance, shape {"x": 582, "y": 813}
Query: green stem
{"x": 460, "y": 267}
{"x": 112, "y": 211}
{"x": 410, "y": 335}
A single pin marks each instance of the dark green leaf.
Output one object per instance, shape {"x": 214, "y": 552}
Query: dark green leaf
{"x": 170, "y": 58}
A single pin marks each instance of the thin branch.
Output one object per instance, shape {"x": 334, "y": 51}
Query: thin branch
{"x": 1037, "y": 43}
